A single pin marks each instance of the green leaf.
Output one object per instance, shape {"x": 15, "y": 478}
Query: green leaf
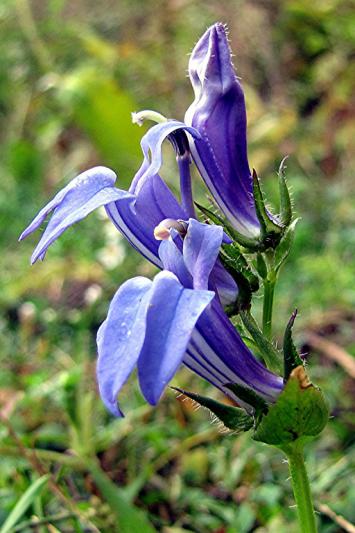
{"x": 300, "y": 412}
{"x": 70, "y": 383}
{"x": 129, "y": 517}
{"x": 236, "y": 260}
{"x": 23, "y": 504}
{"x": 232, "y": 417}
{"x": 291, "y": 357}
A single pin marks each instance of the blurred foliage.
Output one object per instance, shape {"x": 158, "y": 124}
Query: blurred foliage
{"x": 71, "y": 74}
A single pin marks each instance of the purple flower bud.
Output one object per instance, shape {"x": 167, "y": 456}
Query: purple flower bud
{"x": 218, "y": 114}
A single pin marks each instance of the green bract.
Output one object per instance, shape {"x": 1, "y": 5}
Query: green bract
{"x": 299, "y": 413}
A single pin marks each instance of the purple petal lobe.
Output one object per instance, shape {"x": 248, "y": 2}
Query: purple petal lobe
{"x": 81, "y": 196}
{"x": 201, "y": 248}
{"x": 218, "y": 114}
{"x": 173, "y": 261}
{"x": 172, "y": 314}
{"x": 225, "y": 285}
{"x": 85, "y": 182}
{"x": 120, "y": 339}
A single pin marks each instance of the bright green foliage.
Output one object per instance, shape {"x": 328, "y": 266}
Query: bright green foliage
{"x": 23, "y": 504}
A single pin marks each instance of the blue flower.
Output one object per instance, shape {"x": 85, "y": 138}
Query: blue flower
{"x": 178, "y": 317}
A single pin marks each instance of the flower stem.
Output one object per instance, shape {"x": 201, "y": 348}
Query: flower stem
{"x": 301, "y": 488}
{"x": 269, "y": 288}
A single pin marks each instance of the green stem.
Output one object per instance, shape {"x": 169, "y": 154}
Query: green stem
{"x": 301, "y": 488}
{"x": 269, "y": 289}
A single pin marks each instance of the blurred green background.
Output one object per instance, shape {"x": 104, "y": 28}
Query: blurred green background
{"x": 70, "y": 75}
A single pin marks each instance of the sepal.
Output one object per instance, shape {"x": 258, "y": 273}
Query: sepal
{"x": 261, "y": 266}
{"x": 285, "y": 245}
{"x": 300, "y": 412}
{"x": 271, "y": 230}
{"x": 233, "y": 418}
{"x": 250, "y": 397}
{"x": 250, "y": 244}
{"x": 235, "y": 263}
{"x": 285, "y": 198}
{"x": 291, "y": 357}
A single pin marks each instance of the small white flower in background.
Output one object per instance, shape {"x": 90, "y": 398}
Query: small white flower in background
{"x": 114, "y": 252}
{"x": 92, "y": 294}
{"x": 27, "y": 312}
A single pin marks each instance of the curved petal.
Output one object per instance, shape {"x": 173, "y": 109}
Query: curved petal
{"x": 218, "y": 113}
{"x": 152, "y": 150}
{"x": 173, "y": 261}
{"x": 86, "y": 184}
{"x": 81, "y": 196}
{"x": 201, "y": 367}
{"x": 120, "y": 339}
{"x": 172, "y": 314}
{"x": 135, "y": 216}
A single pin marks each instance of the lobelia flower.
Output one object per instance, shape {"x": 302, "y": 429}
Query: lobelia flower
{"x": 178, "y": 317}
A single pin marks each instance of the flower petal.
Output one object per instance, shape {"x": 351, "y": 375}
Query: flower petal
{"x": 218, "y": 113}
{"x": 172, "y": 259}
{"x": 217, "y": 339}
{"x": 81, "y": 196}
{"x": 225, "y": 285}
{"x": 120, "y": 339}
{"x": 200, "y": 250}
{"x": 152, "y": 150}
{"x": 88, "y": 183}
{"x": 172, "y": 314}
